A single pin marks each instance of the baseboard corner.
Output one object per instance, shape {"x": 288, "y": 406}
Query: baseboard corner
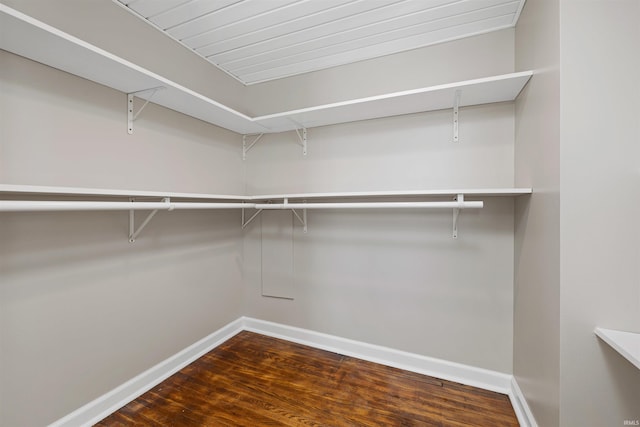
{"x": 111, "y": 401}
{"x": 520, "y": 405}
{"x": 443, "y": 369}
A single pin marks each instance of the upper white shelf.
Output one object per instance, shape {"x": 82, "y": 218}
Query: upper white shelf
{"x": 625, "y": 343}
{"x": 28, "y": 37}
{"x": 506, "y": 192}
{"x": 472, "y": 92}
{"x": 40, "y": 42}
{"x": 34, "y": 190}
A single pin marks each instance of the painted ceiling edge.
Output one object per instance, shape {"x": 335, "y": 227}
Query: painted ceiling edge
{"x": 124, "y": 4}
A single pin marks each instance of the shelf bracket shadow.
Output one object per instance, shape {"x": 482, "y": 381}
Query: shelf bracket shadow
{"x": 246, "y": 147}
{"x": 131, "y": 116}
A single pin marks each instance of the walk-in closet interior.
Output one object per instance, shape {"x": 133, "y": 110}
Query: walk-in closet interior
{"x": 447, "y": 187}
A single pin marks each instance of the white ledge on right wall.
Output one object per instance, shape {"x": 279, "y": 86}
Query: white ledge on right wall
{"x": 625, "y": 343}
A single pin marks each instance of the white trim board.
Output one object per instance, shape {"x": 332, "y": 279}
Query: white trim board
{"x": 520, "y": 405}
{"x": 111, "y": 401}
{"x": 443, "y": 369}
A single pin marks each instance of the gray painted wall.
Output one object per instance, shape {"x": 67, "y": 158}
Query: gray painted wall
{"x": 464, "y": 59}
{"x": 388, "y": 277}
{"x": 600, "y": 178}
{"x": 81, "y": 309}
{"x": 536, "y": 350}
{"x": 577, "y": 137}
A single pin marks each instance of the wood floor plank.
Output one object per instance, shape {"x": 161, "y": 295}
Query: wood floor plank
{"x": 255, "y": 380}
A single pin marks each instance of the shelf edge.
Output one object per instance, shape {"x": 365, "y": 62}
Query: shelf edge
{"x": 625, "y": 343}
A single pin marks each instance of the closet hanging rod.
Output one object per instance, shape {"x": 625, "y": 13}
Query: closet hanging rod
{"x": 31, "y": 206}
{"x": 374, "y": 205}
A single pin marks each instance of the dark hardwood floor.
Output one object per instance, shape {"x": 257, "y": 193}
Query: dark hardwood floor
{"x": 254, "y": 380}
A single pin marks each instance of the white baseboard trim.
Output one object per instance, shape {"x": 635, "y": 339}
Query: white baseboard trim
{"x": 520, "y": 406}
{"x": 108, "y": 403}
{"x": 443, "y": 369}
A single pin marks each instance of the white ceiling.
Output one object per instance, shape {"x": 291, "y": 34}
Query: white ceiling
{"x": 261, "y": 40}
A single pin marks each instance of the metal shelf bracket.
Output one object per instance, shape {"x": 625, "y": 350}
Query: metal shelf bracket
{"x": 248, "y": 146}
{"x": 247, "y": 222}
{"x": 456, "y": 214}
{"x": 303, "y": 219}
{"x": 456, "y": 106}
{"x": 303, "y": 140}
{"x": 133, "y": 233}
{"x": 131, "y": 116}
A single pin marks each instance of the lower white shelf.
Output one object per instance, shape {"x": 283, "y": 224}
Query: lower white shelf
{"x": 625, "y": 343}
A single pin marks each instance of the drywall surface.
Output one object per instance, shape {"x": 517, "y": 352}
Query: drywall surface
{"x": 82, "y": 310}
{"x": 536, "y": 355}
{"x": 471, "y": 58}
{"x": 109, "y": 26}
{"x": 397, "y": 278}
{"x": 411, "y": 152}
{"x": 60, "y": 130}
{"x": 600, "y": 178}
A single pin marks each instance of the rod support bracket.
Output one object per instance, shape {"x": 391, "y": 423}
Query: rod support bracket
{"x": 133, "y": 233}
{"x": 303, "y": 219}
{"x": 247, "y": 222}
{"x": 456, "y": 214}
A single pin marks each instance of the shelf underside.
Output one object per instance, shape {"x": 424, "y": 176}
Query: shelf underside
{"x": 625, "y": 343}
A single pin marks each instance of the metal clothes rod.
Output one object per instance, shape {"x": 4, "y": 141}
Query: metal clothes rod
{"x": 198, "y": 205}
{"x": 374, "y": 205}
{"x": 31, "y": 206}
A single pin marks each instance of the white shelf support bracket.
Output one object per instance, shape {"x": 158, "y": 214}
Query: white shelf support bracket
{"x": 248, "y": 146}
{"x": 245, "y": 223}
{"x": 131, "y": 116}
{"x": 456, "y": 106}
{"x": 303, "y": 219}
{"x": 133, "y": 233}
{"x": 303, "y": 140}
{"x": 456, "y": 214}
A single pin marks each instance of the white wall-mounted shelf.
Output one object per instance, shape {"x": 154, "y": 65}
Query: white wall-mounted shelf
{"x": 472, "y": 92}
{"x": 625, "y": 343}
{"x": 15, "y": 195}
{"x": 506, "y": 192}
{"x": 37, "y": 190}
{"x": 30, "y": 38}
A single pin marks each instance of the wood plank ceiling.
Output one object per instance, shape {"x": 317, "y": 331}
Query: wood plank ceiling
{"x": 261, "y": 40}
